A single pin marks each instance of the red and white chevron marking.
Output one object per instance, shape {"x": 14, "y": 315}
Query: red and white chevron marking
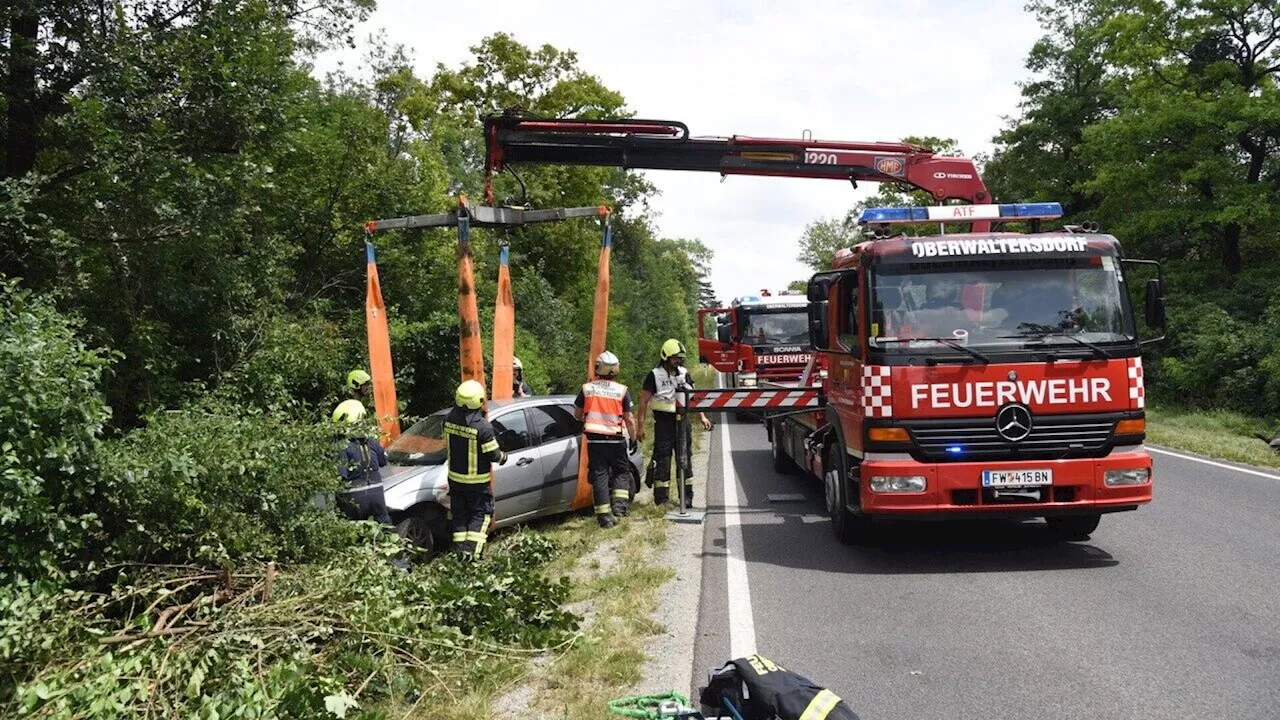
{"x": 734, "y": 399}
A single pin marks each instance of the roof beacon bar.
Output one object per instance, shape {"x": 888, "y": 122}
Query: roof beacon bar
{"x": 960, "y": 213}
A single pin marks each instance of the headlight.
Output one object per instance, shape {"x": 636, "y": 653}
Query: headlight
{"x": 1136, "y": 476}
{"x": 747, "y": 379}
{"x": 898, "y": 483}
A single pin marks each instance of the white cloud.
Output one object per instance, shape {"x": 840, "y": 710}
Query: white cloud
{"x": 844, "y": 70}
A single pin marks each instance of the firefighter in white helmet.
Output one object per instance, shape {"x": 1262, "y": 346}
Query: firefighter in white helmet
{"x": 661, "y": 392}
{"x": 519, "y": 388}
{"x": 472, "y": 449}
{"x": 604, "y": 407}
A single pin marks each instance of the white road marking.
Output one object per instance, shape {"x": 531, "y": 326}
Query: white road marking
{"x": 742, "y": 626}
{"x": 1202, "y": 461}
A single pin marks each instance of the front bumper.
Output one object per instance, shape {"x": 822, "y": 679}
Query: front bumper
{"x": 955, "y": 489}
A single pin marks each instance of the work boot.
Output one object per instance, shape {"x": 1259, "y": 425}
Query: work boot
{"x": 620, "y": 509}
{"x": 607, "y": 521}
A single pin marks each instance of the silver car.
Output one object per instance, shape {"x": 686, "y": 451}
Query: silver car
{"x": 540, "y": 436}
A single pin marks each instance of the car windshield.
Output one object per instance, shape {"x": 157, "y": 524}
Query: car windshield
{"x": 421, "y": 444}
{"x": 784, "y": 326}
{"x": 1000, "y": 303}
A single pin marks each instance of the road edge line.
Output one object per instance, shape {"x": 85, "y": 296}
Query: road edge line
{"x": 1214, "y": 463}
{"x": 742, "y": 630}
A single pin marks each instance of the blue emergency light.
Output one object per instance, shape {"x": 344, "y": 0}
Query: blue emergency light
{"x": 960, "y": 213}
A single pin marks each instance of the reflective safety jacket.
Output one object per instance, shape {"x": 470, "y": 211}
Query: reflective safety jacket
{"x": 758, "y": 689}
{"x": 604, "y": 405}
{"x": 471, "y": 444}
{"x": 664, "y": 384}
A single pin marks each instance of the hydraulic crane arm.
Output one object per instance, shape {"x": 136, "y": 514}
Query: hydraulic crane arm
{"x": 667, "y": 145}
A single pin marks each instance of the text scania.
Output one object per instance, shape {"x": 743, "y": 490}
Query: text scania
{"x": 935, "y": 248}
{"x": 1059, "y": 391}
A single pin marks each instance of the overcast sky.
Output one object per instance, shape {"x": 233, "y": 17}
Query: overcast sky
{"x": 852, "y": 70}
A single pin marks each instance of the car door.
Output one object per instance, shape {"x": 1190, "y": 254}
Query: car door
{"x": 515, "y": 484}
{"x": 556, "y": 431}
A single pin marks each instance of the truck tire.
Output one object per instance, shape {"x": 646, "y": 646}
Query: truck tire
{"x": 849, "y": 528}
{"x": 426, "y": 527}
{"x": 1073, "y": 527}
{"x": 781, "y": 461}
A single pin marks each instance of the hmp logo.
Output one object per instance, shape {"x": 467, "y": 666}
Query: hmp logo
{"x": 1013, "y": 422}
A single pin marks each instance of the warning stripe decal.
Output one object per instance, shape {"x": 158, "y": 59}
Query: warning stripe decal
{"x": 732, "y": 399}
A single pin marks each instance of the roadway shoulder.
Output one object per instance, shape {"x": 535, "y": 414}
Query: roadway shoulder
{"x": 670, "y": 653}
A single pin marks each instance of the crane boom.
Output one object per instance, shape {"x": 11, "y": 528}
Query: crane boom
{"x": 667, "y": 145}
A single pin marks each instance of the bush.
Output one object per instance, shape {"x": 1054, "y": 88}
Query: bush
{"x": 51, "y": 419}
{"x": 218, "y": 482}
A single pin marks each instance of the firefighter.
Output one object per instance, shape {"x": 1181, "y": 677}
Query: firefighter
{"x": 519, "y": 388}
{"x": 472, "y": 449}
{"x": 660, "y": 393}
{"x": 604, "y": 407}
{"x": 359, "y": 387}
{"x": 362, "y": 496}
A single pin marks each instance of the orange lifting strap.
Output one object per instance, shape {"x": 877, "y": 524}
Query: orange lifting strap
{"x": 384, "y": 380}
{"x": 504, "y": 331}
{"x": 599, "y": 330}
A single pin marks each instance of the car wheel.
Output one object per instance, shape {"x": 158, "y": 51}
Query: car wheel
{"x": 849, "y": 528}
{"x": 426, "y": 527}
{"x": 1073, "y": 527}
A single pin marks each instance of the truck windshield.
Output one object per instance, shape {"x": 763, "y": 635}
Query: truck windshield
{"x": 784, "y": 326}
{"x": 1001, "y": 303}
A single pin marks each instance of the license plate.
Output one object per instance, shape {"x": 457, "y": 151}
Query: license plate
{"x": 1016, "y": 478}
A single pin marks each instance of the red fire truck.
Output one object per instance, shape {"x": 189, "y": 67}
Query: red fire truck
{"x": 758, "y": 339}
{"x": 973, "y": 374}
{"x": 976, "y": 374}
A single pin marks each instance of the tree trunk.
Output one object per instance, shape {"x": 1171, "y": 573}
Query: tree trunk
{"x": 23, "y": 125}
{"x": 1231, "y": 248}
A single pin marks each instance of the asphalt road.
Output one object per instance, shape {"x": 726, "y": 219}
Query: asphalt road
{"x": 1172, "y": 611}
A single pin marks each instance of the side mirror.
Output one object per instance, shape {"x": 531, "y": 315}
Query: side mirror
{"x": 1153, "y": 304}
{"x": 724, "y": 333}
{"x": 818, "y": 331}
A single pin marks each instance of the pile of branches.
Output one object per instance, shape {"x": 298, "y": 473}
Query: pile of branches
{"x": 169, "y": 641}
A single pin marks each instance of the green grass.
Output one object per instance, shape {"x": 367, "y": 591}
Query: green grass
{"x": 605, "y": 662}
{"x": 1218, "y": 433}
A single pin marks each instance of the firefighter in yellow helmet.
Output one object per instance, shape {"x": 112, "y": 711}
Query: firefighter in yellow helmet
{"x": 362, "y": 496}
{"x": 604, "y": 407}
{"x": 661, "y": 393}
{"x": 519, "y": 388}
{"x": 359, "y": 387}
{"x": 472, "y": 449}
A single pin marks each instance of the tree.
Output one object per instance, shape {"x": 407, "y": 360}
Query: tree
{"x": 822, "y": 238}
{"x": 1191, "y": 153}
{"x": 1039, "y": 155}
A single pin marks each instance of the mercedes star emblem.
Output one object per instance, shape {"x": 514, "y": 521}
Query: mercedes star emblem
{"x": 1013, "y": 374}
{"x": 1013, "y": 422}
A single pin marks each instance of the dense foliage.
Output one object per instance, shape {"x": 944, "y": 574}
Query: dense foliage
{"x": 1160, "y": 119}
{"x": 182, "y": 285}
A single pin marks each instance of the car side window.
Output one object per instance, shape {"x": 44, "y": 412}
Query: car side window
{"x": 576, "y": 423}
{"x": 512, "y": 430}
{"x": 551, "y": 422}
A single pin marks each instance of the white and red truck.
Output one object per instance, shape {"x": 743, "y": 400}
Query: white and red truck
{"x": 979, "y": 373}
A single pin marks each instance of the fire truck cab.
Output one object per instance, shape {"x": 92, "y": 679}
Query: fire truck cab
{"x": 991, "y": 374}
{"x": 758, "y": 338}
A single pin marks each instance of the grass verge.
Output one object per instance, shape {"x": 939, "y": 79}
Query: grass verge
{"x": 1218, "y": 433}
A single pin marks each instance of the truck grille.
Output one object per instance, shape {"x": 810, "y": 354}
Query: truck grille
{"x": 1051, "y": 438}
{"x": 779, "y": 372}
